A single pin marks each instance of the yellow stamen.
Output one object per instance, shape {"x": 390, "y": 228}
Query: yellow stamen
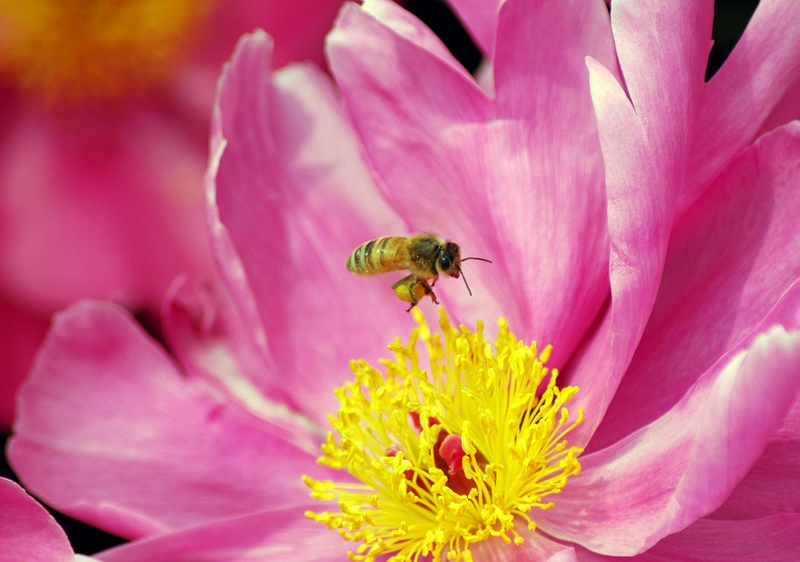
{"x": 413, "y": 499}
{"x": 82, "y": 50}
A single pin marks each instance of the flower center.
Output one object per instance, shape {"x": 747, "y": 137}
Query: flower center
{"x": 449, "y": 456}
{"x": 93, "y": 49}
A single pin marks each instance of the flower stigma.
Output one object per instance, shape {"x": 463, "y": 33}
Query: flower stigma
{"x": 87, "y": 50}
{"x": 449, "y": 456}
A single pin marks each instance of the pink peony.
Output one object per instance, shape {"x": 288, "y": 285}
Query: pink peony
{"x": 655, "y": 248}
{"x": 105, "y": 120}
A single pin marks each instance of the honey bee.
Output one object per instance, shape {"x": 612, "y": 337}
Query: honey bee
{"x": 426, "y": 256}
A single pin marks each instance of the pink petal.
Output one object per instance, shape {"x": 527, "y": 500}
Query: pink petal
{"x": 681, "y": 467}
{"x": 416, "y": 83}
{"x": 480, "y": 171}
{"x": 731, "y": 258}
{"x": 271, "y": 535}
{"x": 540, "y": 65}
{"x": 645, "y": 150}
{"x": 480, "y": 18}
{"x": 756, "y": 89}
{"x": 552, "y": 102}
{"x": 296, "y": 199}
{"x": 27, "y": 531}
{"x": 409, "y": 27}
{"x": 754, "y": 540}
{"x": 109, "y": 431}
{"x": 204, "y": 329}
{"x": 773, "y": 485}
{"x": 653, "y": 66}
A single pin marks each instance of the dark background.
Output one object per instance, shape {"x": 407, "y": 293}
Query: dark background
{"x": 730, "y": 19}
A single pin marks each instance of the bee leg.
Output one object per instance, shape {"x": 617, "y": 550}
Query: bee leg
{"x": 421, "y": 289}
{"x": 412, "y": 289}
{"x": 406, "y": 290}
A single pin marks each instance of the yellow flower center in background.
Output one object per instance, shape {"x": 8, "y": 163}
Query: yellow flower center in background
{"x": 79, "y": 50}
{"x": 448, "y": 456}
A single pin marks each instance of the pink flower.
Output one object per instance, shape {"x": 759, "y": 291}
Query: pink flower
{"x": 636, "y": 222}
{"x": 104, "y": 147}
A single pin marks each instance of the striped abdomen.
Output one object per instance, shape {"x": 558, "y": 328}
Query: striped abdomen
{"x": 388, "y": 253}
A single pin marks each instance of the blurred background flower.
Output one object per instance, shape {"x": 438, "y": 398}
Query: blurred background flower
{"x": 104, "y": 112}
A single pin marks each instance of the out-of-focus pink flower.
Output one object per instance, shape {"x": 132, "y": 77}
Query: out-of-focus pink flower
{"x": 28, "y": 532}
{"x": 635, "y": 220}
{"x": 104, "y": 117}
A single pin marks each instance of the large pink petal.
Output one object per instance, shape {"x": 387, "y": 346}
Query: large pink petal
{"x": 754, "y": 540}
{"x": 109, "y": 431}
{"x": 645, "y": 151}
{"x": 295, "y": 198}
{"x": 773, "y": 485}
{"x": 27, "y": 531}
{"x": 270, "y": 535}
{"x": 681, "y": 467}
{"x": 758, "y": 86}
{"x": 558, "y": 185}
{"x": 731, "y": 257}
{"x": 500, "y": 177}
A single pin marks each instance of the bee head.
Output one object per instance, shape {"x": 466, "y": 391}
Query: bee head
{"x": 449, "y": 260}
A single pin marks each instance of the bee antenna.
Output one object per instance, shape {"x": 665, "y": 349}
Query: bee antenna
{"x": 461, "y": 271}
{"x": 465, "y": 280}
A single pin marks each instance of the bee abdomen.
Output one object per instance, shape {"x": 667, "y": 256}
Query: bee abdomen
{"x": 377, "y": 256}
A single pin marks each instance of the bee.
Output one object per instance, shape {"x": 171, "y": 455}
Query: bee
{"x": 426, "y": 256}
